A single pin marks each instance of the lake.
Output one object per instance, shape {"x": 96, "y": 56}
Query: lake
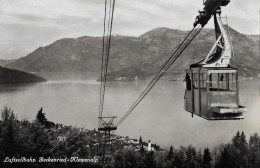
{"x": 73, "y": 99}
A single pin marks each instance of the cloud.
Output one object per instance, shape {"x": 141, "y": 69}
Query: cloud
{"x": 50, "y": 19}
{"x": 167, "y": 13}
{"x": 28, "y": 18}
{"x": 4, "y": 4}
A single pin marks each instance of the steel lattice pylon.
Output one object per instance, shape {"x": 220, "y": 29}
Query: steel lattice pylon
{"x": 106, "y": 125}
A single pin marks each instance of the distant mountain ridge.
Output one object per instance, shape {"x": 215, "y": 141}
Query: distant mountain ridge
{"x": 146, "y": 52}
{"x": 5, "y": 62}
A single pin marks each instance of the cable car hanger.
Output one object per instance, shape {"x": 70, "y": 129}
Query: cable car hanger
{"x": 213, "y": 91}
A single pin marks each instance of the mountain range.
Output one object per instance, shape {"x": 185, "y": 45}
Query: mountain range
{"x": 146, "y": 52}
{"x": 5, "y": 62}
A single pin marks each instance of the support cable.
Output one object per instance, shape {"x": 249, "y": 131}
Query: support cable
{"x": 102, "y": 65}
{"x": 192, "y": 34}
{"x": 106, "y": 51}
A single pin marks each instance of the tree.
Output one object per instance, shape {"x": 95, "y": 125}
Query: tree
{"x": 235, "y": 153}
{"x": 149, "y": 160}
{"x": 76, "y": 144}
{"x": 243, "y": 150}
{"x": 127, "y": 158}
{"x": 41, "y": 117}
{"x": 41, "y": 140}
{"x": 191, "y": 154}
{"x": 119, "y": 160}
{"x": 8, "y": 132}
{"x": 142, "y": 148}
{"x": 7, "y": 114}
{"x": 206, "y": 158}
{"x": 140, "y": 140}
{"x": 254, "y": 151}
{"x": 170, "y": 154}
{"x": 200, "y": 158}
{"x": 225, "y": 159}
{"x": 181, "y": 158}
{"x": 239, "y": 151}
{"x": 26, "y": 146}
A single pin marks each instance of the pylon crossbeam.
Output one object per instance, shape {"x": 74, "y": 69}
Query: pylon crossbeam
{"x": 106, "y": 124}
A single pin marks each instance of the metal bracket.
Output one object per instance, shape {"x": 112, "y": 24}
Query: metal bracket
{"x": 212, "y": 49}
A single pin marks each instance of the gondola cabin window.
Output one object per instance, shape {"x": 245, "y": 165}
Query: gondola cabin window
{"x": 222, "y": 82}
{"x": 195, "y": 81}
{"x": 203, "y": 81}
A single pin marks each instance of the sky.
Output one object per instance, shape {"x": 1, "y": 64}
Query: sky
{"x": 26, "y": 25}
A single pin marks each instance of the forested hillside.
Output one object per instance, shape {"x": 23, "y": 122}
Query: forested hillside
{"x": 44, "y": 139}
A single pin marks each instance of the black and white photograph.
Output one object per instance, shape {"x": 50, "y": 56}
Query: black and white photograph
{"x": 130, "y": 83}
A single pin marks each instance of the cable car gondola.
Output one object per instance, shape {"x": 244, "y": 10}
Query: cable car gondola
{"x": 212, "y": 93}
{"x": 212, "y": 90}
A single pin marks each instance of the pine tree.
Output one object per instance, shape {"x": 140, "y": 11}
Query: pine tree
{"x": 41, "y": 117}
{"x": 243, "y": 150}
{"x": 7, "y": 114}
{"x": 180, "y": 159}
{"x": 207, "y": 159}
{"x": 140, "y": 140}
{"x": 225, "y": 160}
{"x": 8, "y": 133}
{"x": 142, "y": 148}
{"x": 254, "y": 151}
{"x": 236, "y": 140}
{"x": 200, "y": 158}
{"x": 235, "y": 153}
{"x": 239, "y": 151}
{"x": 191, "y": 154}
{"x": 170, "y": 154}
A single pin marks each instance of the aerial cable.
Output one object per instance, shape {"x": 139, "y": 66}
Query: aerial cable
{"x": 108, "y": 23}
{"x": 108, "y": 47}
{"x": 153, "y": 82}
{"x": 192, "y": 34}
{"x": 102, "y": 64}
{"x": 109, "y": 41}
{"x": 106, "y": 51}
{"x": 104, "y": 46}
